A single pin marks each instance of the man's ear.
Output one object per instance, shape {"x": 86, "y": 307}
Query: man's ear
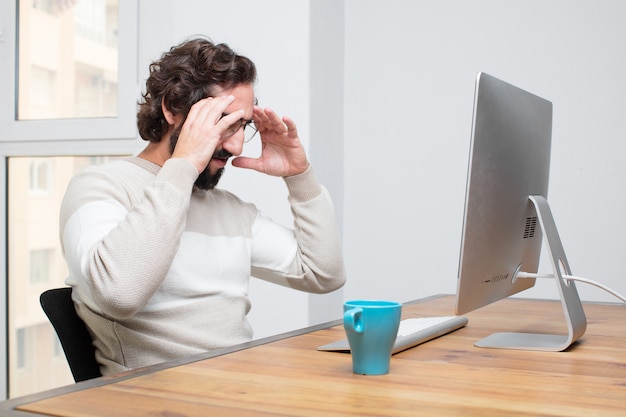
{"x": 169, "y": 116}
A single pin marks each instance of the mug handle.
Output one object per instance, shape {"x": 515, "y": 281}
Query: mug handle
{"x": 353, "y": 320}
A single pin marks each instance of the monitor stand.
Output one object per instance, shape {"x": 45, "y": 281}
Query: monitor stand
{"x": 570, "y": 301}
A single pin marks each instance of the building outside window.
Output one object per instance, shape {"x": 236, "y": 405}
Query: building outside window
{"x": 36, "y": 264}
{"x": 67, "y": 66}
{"x": 68, "y": 59}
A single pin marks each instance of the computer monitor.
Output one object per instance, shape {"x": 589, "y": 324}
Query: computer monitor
{"x": 507, "y": 215}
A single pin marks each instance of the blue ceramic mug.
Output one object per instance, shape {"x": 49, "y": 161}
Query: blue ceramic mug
{"x": 371, "y": 327}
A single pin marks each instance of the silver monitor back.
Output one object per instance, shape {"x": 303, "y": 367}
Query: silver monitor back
{"x": 507, "y": 214}
{"x": 509, "y": 161}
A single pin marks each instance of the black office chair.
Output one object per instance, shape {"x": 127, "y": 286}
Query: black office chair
{"x": 75, "y": 339}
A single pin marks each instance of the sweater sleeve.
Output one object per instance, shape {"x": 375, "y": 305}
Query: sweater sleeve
{"x": 119, "y": 250}
{"x": 316, "y": 262}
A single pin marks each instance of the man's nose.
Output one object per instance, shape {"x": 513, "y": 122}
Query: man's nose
{"x": 234, "y": 143}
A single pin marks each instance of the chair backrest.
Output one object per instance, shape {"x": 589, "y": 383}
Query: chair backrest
{"x": 75, "y": 339}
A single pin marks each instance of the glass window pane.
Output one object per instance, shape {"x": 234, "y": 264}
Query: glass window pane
{"x": 68, "y": 59}
{"x": 41, "y": 263}
{"x": 36, "y": 186}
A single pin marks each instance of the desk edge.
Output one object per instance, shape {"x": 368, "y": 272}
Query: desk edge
{"x": 8, "y": 407}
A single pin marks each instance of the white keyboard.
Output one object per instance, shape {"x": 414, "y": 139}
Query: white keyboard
{"x": 412, "y": 332}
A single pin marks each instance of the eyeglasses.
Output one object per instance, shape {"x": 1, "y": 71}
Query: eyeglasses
{"x": 249, "y": 129}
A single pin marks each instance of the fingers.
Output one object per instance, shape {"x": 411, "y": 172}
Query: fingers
{"x": 267, "y": 119}
{"x": 204, "y": 125}
{"x": 247, "y": 162}
{"x": 291, "y": 126}
{"x": 282, "y": 153}
{"x": 208, "y": 113}
{"x": 203, "y": 129}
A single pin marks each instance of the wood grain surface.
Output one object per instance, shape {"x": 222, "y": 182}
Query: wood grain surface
{"x": 444, "y": 377}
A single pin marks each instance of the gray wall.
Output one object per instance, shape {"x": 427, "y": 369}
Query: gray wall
{"x": 409, "y": 82}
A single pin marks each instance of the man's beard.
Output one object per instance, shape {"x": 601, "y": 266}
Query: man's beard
{"x": 206, "y": 180}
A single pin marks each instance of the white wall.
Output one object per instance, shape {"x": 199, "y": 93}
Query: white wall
{"x": 410, "y": 68}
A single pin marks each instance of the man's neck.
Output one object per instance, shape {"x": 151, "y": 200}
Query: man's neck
{"x": 157, "y": 153}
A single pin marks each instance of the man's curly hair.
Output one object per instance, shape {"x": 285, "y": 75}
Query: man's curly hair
{"x": 189, "y": 72}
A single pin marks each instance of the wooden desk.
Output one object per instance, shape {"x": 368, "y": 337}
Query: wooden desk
{"x": 444, "y": 377}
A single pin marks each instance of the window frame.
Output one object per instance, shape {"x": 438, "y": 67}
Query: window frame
{"x": 120, "y": 127}
{"x": 46, "y": 148}
{"x": 67, "y": 137}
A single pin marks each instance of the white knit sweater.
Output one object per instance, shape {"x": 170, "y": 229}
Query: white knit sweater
{"x": 160, "y": 269}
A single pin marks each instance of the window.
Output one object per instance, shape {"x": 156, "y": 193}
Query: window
{"x": 71, "y": 93}
{"x": 76, "y": 70}
{"x": 40, "y": 266}
{"x": 35, "y": 264}
{"x": 40, "y": 175}
{"x": 20, "y": 335}
{"x": 57, "y": 349}
{"x": 47, "y": 6}
{"x": 42, "y": 93}
{"x": 67, "y": 73}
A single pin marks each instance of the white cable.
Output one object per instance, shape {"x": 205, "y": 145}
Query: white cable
{"x": 574, "y": 278}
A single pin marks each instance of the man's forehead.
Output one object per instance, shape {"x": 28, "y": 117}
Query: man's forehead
{"x": 244, "y": 99}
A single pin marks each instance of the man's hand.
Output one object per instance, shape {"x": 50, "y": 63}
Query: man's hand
{"x": 201, "y": 132}
{"x": 282, "y": 154}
